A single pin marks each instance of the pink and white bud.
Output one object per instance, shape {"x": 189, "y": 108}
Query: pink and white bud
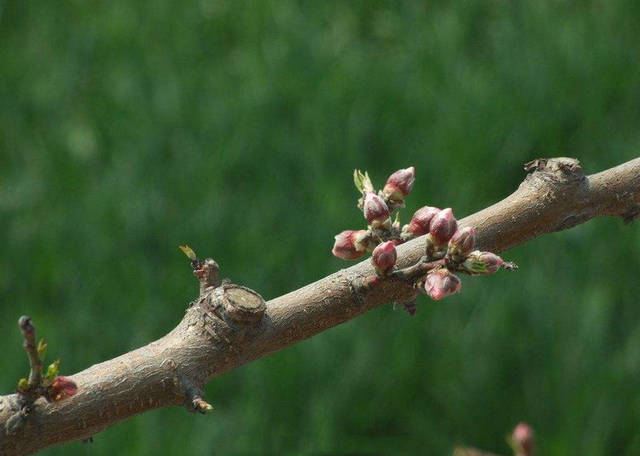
{"x": 349, "y": 244}
{"x": 461, "y": 244}
{"x": 400, "y": 183}
{"x": 522, "y": 440}
{"x": 384, "y": 257}
{"x": 421, "y": 221}
{"x": 63, "y": 387}
{"x": 441, "y": 283}
{"x": 375, "y": 209}
{"x": 482, "y": 263}
{"x": 443, "y": 226}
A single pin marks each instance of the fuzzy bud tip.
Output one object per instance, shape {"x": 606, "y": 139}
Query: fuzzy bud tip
{"x": 443, "y": 226}
{"x": 482, "y": 263}
{"x": 384, "y": 257}
{"x": 349, "y": 245}
{"x": 375, "y": 209}
{"x": 462, "y": 243}
{"x": 421, "y": 220}
{"x": 441, "y": 283}
{"x": 400, "y": 183}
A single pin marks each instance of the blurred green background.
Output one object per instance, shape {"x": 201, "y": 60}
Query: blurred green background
{"x": 127, "y": 128}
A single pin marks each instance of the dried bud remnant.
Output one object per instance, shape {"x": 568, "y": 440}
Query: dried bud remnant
{"x": 400, "y": 183}
{"x": 482, "y": 263}
{"x": 384, "y": 257}
{"x": 350, "y": 244}
{"x": 441, "y": 283}
{"x": 63, "y": 387}
{"x": 375, "y": 209}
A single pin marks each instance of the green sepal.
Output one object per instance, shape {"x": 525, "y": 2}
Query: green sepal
{"x": 188, "y": 251}
{"x": 23, "y": 385}
{"x": 475, "y": 267}
{"x": 362, "y": 181}
{"x": 52, "y": 371}
{"x": 42, "y": 349}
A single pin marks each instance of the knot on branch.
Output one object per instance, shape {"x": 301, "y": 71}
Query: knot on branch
{"x": 562, "y": 170}
{"x": 229, "y": 310}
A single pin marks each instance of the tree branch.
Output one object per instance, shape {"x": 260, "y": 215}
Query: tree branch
{"x": 229, "y": 325}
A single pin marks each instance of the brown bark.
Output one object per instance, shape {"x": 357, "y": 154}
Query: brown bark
{"x": 210, "y": 340}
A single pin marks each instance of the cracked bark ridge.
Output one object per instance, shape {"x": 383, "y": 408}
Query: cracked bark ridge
{"x": 220, "y": 332}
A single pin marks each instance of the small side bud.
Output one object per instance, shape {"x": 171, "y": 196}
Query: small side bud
{"x": 384, "y": 257}
{"x": 441, "y": 283}
{"x": 42, "y": 349}
{"x": 63, "y": 387}
{"x": 482, "y": 263}
{"x": 522, "y": 440}
{"x": 52, "y": 371}
{"x": 349, "y": 244}
{"x": 375, "y": 209}
{"x": 399, "y": 184}
{"x": 23, "y": 386}
{"x": 420, "y": 222}
{"x": 461, "y": 244}
{"x": 443, "y": 226}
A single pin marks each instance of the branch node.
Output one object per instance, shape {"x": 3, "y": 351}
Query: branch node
{"x": 570, "y": 168}
{"x": 193, "y": 399}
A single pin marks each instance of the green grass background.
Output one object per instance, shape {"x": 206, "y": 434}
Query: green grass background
{"x": 127, "y": 128}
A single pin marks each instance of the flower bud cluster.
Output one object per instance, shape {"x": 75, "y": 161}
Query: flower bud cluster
{"x": 449, "y": 248}
{"x": 377, "y": 208}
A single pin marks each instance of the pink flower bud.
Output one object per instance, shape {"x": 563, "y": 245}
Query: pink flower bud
{"x": 461, "y": 244}
{"x": 482, "y": 263}
{"x": 441, "y": 283}
{"x": 349, "y": 245}
{"x": 443, "y": 226}
{"x": 523, "y": 439}
{"x": 63, "y": 387}
{"x": 421, "y": 220}
{"x": 384, "y": 257}
{"x": 400, "y": 183}
{"x": 375, "y": 209}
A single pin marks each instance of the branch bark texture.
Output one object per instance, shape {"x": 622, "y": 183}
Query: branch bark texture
{"x": 219, "y": 333}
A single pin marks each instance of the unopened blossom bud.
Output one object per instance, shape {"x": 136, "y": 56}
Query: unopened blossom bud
{"x": 349, "y": 244}
{"x": 461, "y": 244}
{"x": 522, "y": 440}
{"x": 384, "y": 257}
{"x": 443, "y": 226}
{"x": 482, "y": 263}
{"x": 400, "y": 183}
{"x": 375, "y": 209}
{"x": 63, "y": 387}
{"x": 441, "y": 283}
{"x": 421, "y": 221}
